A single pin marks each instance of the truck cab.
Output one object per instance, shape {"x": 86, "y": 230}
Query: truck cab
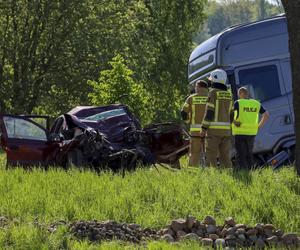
{"x": 255, "y": 55}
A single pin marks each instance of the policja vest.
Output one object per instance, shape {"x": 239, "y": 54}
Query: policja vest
{"x": 247, "y": 115}
{"x": 195, "y": 107}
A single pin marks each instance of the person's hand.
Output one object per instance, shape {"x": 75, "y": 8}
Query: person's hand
{"x": 236, "y": 123}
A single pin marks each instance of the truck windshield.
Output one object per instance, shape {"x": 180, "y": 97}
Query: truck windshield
{"x": 262, "y": 82}
{"x": 202, "y": 62}
{"x": 106, "y": 114}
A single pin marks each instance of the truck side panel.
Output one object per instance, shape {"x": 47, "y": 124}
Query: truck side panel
{"x": 265, "y": 40}
{"x": 266, "y": 84}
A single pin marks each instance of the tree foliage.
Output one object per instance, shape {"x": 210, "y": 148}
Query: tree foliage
{"x": 39, "y": 49}
{"x": 224, "y": 13}
{"x": 49, "y": 49}
{"x": 117, "y": 85}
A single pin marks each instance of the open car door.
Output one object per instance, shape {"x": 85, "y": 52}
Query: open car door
{"x": 26, "y": 142}
{"x": 42, "y": 120}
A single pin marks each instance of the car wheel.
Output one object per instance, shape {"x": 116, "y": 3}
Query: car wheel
{"x": 74, "y": 158}
{"x": 175, "y": 164}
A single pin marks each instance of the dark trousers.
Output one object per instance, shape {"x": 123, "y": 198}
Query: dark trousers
{"x": 244, "y": 146}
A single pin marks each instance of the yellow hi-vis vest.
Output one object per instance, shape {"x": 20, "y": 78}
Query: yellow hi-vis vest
{"x": 247, "y": 115}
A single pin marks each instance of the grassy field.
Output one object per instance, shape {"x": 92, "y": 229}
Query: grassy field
{"x": 150, "y": 198}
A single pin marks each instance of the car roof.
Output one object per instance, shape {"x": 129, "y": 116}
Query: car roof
{"x": 85, "y": 111}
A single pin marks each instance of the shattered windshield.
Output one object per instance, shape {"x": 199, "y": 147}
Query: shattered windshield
{"x": 106, "y": 114}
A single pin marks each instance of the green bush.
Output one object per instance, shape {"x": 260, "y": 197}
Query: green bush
{"x": 117, "y": 85}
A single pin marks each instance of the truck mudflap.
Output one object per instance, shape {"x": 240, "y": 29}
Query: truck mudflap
{"x": 278, "y": 160}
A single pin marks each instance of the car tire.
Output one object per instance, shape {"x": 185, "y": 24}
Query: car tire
{"x": 175, "y": 164}
{"x": 74, "y": 158}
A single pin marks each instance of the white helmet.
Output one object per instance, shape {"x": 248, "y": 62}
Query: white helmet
{"x": 218, "y": 75}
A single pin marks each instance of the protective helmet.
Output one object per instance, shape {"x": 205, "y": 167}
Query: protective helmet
{"x": 218, "y": 75}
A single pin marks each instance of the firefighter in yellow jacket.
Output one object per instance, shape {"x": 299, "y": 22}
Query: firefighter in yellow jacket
{"x": 193, "y": 112}
{"x": 216, "y": 124}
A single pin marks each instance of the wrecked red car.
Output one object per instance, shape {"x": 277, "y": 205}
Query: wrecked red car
{"x": 96, "y": 137}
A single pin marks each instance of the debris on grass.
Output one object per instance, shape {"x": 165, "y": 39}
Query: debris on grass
{"x": 111, "y": 230}
{"x": 230, "y": 234}
{"x": 206, "y": 232}
{"x": 3, "y": 221}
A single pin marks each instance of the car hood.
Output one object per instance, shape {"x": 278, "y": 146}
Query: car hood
{"x": 113, "y": 127}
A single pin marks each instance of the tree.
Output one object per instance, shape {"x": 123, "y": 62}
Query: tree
{"x": 41, "y": 49}
{"x": 172, "y": 26}
{"x": 262, "y": 9}
{"x": 292, "y": 10}
{"x": 49, "y": 49}
{"x": 224, "y": 13}
{"x": 116, "y": 85}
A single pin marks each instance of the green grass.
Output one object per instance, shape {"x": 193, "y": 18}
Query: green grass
{"x": 146, "y": 197}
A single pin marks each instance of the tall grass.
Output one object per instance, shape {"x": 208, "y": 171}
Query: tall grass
{"x": 146, "y": 197}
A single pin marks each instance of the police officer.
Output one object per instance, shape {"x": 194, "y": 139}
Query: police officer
{"x": 216, "y": 124}
{"x": 245, "y": 127}
{"x": 193, "y": 112}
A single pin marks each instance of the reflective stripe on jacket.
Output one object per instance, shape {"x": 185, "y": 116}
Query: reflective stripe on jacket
{"x": 218, "y": 110}
{"x": 195, "y": 107}
{"x": 247, "y": 116}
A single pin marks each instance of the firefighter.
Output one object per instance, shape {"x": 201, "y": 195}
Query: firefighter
{"x": 245, "y": 127}
{"x": 216, "y": 124}
{"x": 193, "y": 112}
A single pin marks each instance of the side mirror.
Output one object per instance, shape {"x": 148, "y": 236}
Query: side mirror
{"x": 54, "y": 137}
